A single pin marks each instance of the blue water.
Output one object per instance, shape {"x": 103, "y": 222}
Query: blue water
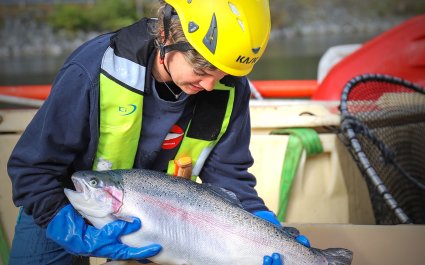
{"x": 295, "y": 58}
{"x": 298, "y": 58}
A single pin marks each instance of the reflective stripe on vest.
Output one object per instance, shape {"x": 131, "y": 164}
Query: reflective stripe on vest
{"x": 121, "y": 106}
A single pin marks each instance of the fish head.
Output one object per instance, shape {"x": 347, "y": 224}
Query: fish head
{"x": 96, "y": 195}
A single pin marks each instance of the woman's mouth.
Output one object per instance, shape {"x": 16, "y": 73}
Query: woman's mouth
{"x": 196, "y": 88}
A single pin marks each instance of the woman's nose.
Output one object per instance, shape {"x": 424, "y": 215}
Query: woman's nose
{"x": 208, "y": 83}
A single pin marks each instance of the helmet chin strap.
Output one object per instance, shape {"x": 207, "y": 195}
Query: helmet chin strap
{"x": 169, "y": 88}
{"x": 169, "y": 12}
{"x": 166, "y": 70}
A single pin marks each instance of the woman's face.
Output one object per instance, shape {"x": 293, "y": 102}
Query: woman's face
{"x": 189, "y": 80}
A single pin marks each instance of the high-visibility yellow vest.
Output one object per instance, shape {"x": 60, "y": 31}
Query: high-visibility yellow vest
{"x": 121, "y": 105}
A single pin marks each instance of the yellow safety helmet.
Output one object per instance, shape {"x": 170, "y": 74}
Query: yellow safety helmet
{"x": 230, "y": 34}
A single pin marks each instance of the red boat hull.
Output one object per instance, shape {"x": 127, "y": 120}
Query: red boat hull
{"x": 399, "y": 52}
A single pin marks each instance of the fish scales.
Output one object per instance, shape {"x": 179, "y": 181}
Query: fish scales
{"x": 193, "y": 222}
{"x": 177, "y": 192}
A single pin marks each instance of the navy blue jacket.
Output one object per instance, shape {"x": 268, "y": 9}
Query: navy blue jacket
{"x": 63, "y": 135}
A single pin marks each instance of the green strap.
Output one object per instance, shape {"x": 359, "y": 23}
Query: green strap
{"x": 299, "y": 139}
{"x": 4, "y": 247}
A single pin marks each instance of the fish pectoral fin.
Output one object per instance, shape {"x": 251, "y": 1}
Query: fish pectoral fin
{"x": 290, "y": 231}
{"x": 126, "y": 218}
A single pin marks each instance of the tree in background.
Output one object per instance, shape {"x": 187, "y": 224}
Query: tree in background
{"x": 101, "y": 15}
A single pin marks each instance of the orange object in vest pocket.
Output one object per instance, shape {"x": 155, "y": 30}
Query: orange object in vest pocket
{"x": 183, "y": 167}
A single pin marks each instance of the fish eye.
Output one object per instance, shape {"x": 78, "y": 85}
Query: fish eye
{"x": 93, "y": 182}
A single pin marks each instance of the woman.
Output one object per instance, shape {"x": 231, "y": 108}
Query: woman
{"x": 142, "y": 97}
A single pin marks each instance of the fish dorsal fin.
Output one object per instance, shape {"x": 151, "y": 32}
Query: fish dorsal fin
{"x": 225, "y": 194}
{"x": 290, "y": 231}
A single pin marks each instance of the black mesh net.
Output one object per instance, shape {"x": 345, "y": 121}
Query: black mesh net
{"x": 383, "y": 123}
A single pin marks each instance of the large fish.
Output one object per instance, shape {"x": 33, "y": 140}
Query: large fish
{"x": 195, "y": 223}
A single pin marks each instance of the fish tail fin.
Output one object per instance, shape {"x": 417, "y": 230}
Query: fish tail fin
{"x": 337, "y": 256}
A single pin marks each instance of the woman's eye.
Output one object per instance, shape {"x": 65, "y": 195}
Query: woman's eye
{"x": 199, "y": 73}
{"x": 93, "y": 182}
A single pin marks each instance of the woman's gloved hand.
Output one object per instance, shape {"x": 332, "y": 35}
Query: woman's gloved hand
{"x": 271, "y": 217}
{"x": 273, "y": 260}
{"x": 69, "y": 230}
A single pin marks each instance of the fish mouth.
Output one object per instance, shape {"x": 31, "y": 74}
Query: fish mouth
{"x": 79, "y": 187}
{"x": 80, "y": 190}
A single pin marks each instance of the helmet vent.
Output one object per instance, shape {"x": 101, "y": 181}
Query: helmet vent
{"x": 210, "y": 39}
{"x": 241, "y": 24}
{"x": 236, "y": 12}
{"x": 192, "y": 27}
{"x": 234, "y": 9}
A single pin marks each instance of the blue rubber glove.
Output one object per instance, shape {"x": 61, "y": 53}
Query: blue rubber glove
{"x": 273, "y": 260}
{"x": 271, "y": 217}
{"x": 69, "y": 230}
{"x": 268, "y": 216}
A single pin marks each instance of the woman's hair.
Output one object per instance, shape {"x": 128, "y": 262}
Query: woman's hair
{"x": 176, "y": 34}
